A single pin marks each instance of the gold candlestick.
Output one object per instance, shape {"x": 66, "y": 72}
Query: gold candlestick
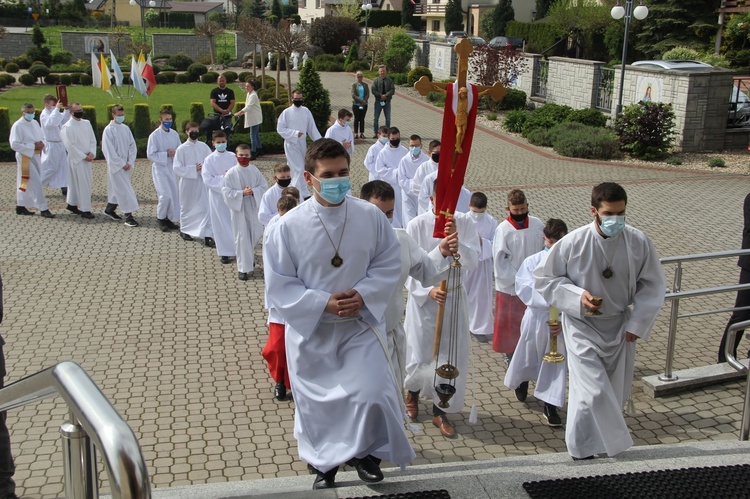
{"x": 553, "y": 356}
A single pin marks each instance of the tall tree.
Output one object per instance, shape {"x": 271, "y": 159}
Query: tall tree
{"x": 454, "y": 16}
{"x": 283, "y": 42}
{"x": 584, "y": 21}
{"x": 210, "y": 30}
{"x": 276, "y": 12}
{"x": 542, "y": 7}
{"x": 502, "y": 14}
{"x": 254, "y": 31}
{"x": 349, "y": 9}
{"x": 253, "y": 8}
{"x": 407, "y": 14}
{"x": 317, "y": 98}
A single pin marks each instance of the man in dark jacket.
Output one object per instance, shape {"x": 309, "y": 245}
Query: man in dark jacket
{"x": 7, "y": 468}
{"x": 383, "y": 90}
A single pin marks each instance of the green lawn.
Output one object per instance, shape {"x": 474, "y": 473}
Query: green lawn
{"x": 179, "y": 95}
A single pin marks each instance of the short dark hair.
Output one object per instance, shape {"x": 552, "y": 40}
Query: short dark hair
{"x": 555, "y": 229}
{"x": 285, "y": 203}
{"x": 324, "y": 149}
{"x": 296, "y": 91}
{"x": 516, "y": 197}
{"x": 383, "y": 130}
{"x": 252, "y": 82}
{"x": 393, "y": 131}
{"x": 164, "y": 112}
{"x": 191, "y": 124}
{"x": 607, "y": 192}
{"x": 219, "y": 134}
{"x": 415, "y": 137}
{"x": 291, "y": 191}
{"x": 116, "y": 108}
{"x": 478, "y": 200}
{"x": 242, "y": 147}
{"x": 343, "y": 113}
{"x": 377, "y": 189}
{"x": 433, "y": 144}
{"x": 49, "y": 97}
{"x": 27, "y": 105}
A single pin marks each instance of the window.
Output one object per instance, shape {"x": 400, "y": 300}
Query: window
{"x": 435, "y": 25}
{"x": 317, "y": 4}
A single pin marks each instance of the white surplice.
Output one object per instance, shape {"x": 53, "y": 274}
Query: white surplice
{"x": 23, "y": 136}
{"x": 421, "y": 315}
{"x": 195, "y": 214}
{"x": 407, "y": 167}
{"x": 346, "y": 399}
{"x": 216, "y": 166}
{"x": 527, "y": 364}
{"x": 341, "y": 133}
{"x": 79, "y": 141}
{"x": 510, "y": 247}
{"x": 268, "y": 203}
{"x": 162, "y": 172}
{"x": 246, "y": 227}
{"x": 478, "y": 283}
{"x": 428, "y": 188}
{"x": 423, "y": 170}
{"x": 386, "y": 169}
{"x": 600, "y": 361}
{"x": 54, "y": 160}
{"x": 372, "y": 157}
{"x": 118, "y": 146}
{"x": 292, "y": 121}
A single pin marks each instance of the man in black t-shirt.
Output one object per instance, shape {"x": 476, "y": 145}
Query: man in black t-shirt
{"x": 222, "y": 98}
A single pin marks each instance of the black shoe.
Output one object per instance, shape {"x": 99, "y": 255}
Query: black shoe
{"x": 171, "y": 224}
{"x": 209, "y": 242}
{"x": 73, "y": 209}
{"x": 522, "y": 391}
{"x": 47, "y": 214}
{"x": 550, "y": 414}
{"x": 325, "y": 480}
{"x": 260, "y": 152}
{"x": 64, "y": 191}
{"x": 87, "y": 214}
{"x": 111, "y": 214}
{"x": 225, "y": 260}
{"x": 242, "y": 276}
{"x": 186, "y": 237}
{"x": 367, "y": 470}
{"x": 130, "y": 221}
{"x": 21, "y": 210}
{"x": 163, "y": 224}
{"x": 280, "y": 391}
{"x": 582, "y": 458}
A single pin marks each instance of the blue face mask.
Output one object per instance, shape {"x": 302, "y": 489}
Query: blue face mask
{"x": 333, "y": 190}
{"x": 221, "y": 146}
{"x": 415, "y": 151}
{"x": 347, "y": 124}
{"x": 28, "y": 116}
{"x": 383, "y": 140}
{"x": 120, "y": 119}
{"x": 166, "y": 124}
{"x": 612, "y": 225}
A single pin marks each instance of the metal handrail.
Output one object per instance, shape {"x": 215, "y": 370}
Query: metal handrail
{"x": 92, "y": 417}
{"x": 732, "y": 360}
{"x": 676, "y": 294}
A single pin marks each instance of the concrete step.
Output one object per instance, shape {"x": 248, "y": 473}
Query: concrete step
{"x": 688, "y": 379}
{"x": 496, "y": 479}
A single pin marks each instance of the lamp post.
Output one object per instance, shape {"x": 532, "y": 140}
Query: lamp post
{"x": 367, "y": 7}
{"x": 618, "y": 12}
{"x": 140, "y": 3}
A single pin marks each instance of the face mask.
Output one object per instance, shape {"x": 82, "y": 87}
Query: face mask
{"x": 390, "y": 220}
{"x": 333, "y": 190}
{"x": 166, "y": 124}
{"x": 120, "y": 119}
{"x": 415, "y": 151}
{"x": 221, "y": 146}
{"x": 612, "y": 225}
{"x": 28, "y": 116}
{"x": 519, "y": 218}
{"x": 194, "y": 135}
{"x": 297, "y": 102}
{"x": 435, "y": 157}
{"x": 243, "y": 161}
{"x": 546, "y": 248}
{"x": 347, "y": 124}
{"x": 395, "y": 142}
{"x": 477, "y": 216}
{"x": 78, "y": 115}
{"x": 284, "y": 182}
{"x": 383, "y": 140}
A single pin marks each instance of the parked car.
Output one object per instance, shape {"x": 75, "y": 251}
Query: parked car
{"x": 475, "y": 40}
{"x": 454, "y": 35}
{"x": 504, "y": 41}
{"x": 739, "y": 110}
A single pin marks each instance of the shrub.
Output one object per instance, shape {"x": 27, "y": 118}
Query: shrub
{"x": 3, "y": 62}
{"x": 89, "y": 113}
{"x": 492, "y": 116}
{"x": 170, "y": 108}
{"x": 11, "y": 67}
{"x": 231, "y": 76}
{"x": 209, "y": 77}
{"x": 589, "y": 116}
{"x": 514, "y": 99}
{"x": 352, "y": 55}
{"x": 65, "y": 80}
{"x": 75, "y": 78}
{"x": 168, "y": 76}
{"x": 540, "y": 137}
{"x": 716, "y": 163}
{"x": 181, "y": 78}
{"x": 269, "y": 117}
{"x": 86, "y": 80}
{"x": 398, "y": 54}
{"x": 682, "y": 54}
{"x": 141, "y": 121}
{"x": 62, "y": 57}
{"x": 398, "y": 78}
{"x": 180, "y": 62}
{"x": 244, "y": 75}
{"x": 673, "y": 160}
{"x": 333, "y": 32}
{"x": 197, "y": 112}
{"x": 317, "y": 98}
{"x": 646, "y": 129}
{"x": 416, "y": 73}
{"x": 355, "y": 66}
{"x": 161, "y": 79}
{"x": 4, "y": 124}
{"x": 224, "y": 57}
{"x": 21, "y": 61}
{"x": 9, "y": 79}
{"x": 27, "y": 79}
{"x": 546, "y": 116}
{"x": 436, "y": 98}
{"x": 39, "y": 71}
{"x": 587, "y": 142}
{"x": 515, "y": 120}
{"x": 280, "y": 109}
{"x": 196, "y": 70}
{"x": 52, "y": 79}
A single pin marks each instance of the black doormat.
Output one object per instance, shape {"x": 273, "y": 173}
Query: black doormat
{"x": 426, "y": 494}
{"x": 702, "y": 483}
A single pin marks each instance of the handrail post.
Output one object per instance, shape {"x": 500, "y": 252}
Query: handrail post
{"x": 673, "y": 316}
{"x": 78, "y": 466}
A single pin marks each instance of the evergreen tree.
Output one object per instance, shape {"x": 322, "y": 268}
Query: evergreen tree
{"x": 37, "y": 37}
{"x": 407, "y": 14}
{"x": 317, "y": 98}
{"x": 542, "y": 6}
{"x": 276, "y": 11}
{"x": 502, "y": 14}
{"x": 254, "y": 8}
{"x": 454, "y": 16}
{"x": 676, "y": 23}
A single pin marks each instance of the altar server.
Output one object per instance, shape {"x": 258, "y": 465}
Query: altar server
{"x": 80, "y": 143}
{"x": 479, "y": 282}
{"x": 386, "y": 168}
{"x": 374, "y": 150}
{"x": 54, "y": 160}
{"x": 282, "y": 177}
{"x": 341, "y": 131}
{"x": 160, "y": 150}
{"x": 407, "y": 167}
{"x": 27, "y": 140}
{"x": 295, "y": 124}
{"x": 118, "y": 146}
{"x": 213, "y": 171}
{"x": 195, "y": 214}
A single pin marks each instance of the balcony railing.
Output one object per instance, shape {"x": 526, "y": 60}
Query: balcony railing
{"x": 424, "y": 9}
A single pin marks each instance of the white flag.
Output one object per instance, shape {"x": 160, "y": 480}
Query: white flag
{"x": 137, "y": 79}
{"x": 96, "y": 72}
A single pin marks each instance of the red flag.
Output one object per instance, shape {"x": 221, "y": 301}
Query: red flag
{"x": 148, "y": 75}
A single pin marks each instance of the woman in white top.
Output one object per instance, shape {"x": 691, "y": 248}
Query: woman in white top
{"x": 253, "y": 117}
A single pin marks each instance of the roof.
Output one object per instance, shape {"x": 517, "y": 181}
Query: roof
{"x": 195, "y": 7}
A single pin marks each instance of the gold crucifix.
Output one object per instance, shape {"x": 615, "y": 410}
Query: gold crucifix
{"x": 424, "y": 86}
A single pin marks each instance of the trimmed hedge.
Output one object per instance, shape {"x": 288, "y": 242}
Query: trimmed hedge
{"x": 86, "y": 80}
{"x": 209, "y": 77}
{"x": 11, "y": 67}
{"x": 231, "y": 76}
{"x": 4, "y": 124}
{"x": 181, "y": 78}
{"x": 39, "y": 71}
{"x": 65, "y": 79}
{"x": 589, "y": 116}
{"x": 52, "y": 79}
{"x": 27, "y": 79}
{"x": 269, "y": 117}
{"x": 587, "y": 142}
{"x": 141, "y": 121}
{"x": 197, "y": 112}
{"x": 195, "y": 71}
{"x": 514, "y": 99}
{"x": 89, "y": 113}
{"x": 418, "y": 72}
{"x": 538, "y": 36}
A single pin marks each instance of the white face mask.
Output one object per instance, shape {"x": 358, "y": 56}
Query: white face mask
{"x": 477, "y": 216}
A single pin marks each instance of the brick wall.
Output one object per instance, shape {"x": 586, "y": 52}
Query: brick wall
{"x": 574, "y": 82}
{"x": 75, "y": 42}
{"x": 174, "y": 43}
{"x": 15, "y": 44}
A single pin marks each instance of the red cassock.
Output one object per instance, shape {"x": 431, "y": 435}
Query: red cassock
{"x": 275, "y": 354}
{"x": 449, "y": 182}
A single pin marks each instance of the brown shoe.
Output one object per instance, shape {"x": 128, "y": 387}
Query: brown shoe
{"x": 446, "y": 427}
{"x": 412, "y": 406}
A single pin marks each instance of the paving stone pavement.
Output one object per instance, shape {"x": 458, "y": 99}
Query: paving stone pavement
{"x": 173, "y": 338}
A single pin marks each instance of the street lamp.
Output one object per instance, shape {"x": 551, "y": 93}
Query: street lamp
{"x": 140, "y": 3}
{"x": 618, "y": 12}
{"x": 367, "y": 7}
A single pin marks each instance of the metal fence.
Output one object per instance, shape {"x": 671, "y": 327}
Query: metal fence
{"x": 605, "y": 87}
{"x": 739, "y": 104}
{"x": 540, "y": 82}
